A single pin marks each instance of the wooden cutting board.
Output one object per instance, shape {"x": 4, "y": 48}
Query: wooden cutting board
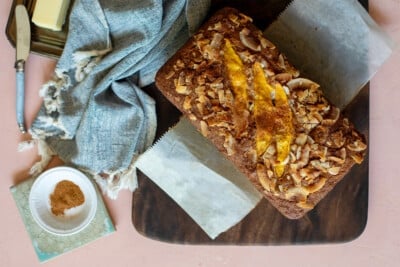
{"x": 341, "y": 216}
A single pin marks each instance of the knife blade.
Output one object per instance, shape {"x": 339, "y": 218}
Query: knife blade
{"x": 23, "y": 42}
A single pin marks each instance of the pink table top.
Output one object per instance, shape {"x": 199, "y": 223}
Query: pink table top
{"x": 379, "y": 244}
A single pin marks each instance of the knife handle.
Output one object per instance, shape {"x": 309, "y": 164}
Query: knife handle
{"x": 20, "y": 99}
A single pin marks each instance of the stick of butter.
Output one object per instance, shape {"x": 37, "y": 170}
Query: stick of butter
{"x": 50, "y": 14}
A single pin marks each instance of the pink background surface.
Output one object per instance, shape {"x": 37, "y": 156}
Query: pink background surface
{"x": 379, "y": 245}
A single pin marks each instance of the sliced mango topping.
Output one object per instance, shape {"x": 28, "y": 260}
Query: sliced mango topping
{"x": 273, "y": 118}
{"x": 237, "y": 76}
{"x": 284, "y": 132}
{"x": 263, "y": 109}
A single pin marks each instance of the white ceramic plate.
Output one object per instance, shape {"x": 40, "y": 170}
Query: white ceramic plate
{"x": 73, "y": 220}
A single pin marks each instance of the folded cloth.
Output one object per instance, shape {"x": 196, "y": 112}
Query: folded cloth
{"x": 94, "y": 114}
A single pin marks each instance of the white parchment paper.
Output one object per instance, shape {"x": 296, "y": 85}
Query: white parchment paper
{"x": 194, "y": 173}
{"x": 335, "y": 43}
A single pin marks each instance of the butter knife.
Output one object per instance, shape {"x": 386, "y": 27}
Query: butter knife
{"x": 23, "y": 42}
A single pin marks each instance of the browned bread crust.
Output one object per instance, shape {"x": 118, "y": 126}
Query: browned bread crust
{"x": 278, "y": 129}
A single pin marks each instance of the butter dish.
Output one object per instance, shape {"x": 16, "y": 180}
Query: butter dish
{"x": 45, "y": 42}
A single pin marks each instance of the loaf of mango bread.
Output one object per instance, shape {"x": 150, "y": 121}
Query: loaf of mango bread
{"x": 274, "y": 125}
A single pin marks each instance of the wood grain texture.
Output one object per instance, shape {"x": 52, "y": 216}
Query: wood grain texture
{"x": 341, "y": 216}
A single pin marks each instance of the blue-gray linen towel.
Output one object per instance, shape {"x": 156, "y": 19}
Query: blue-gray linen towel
{"x": 95, "y": 116}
